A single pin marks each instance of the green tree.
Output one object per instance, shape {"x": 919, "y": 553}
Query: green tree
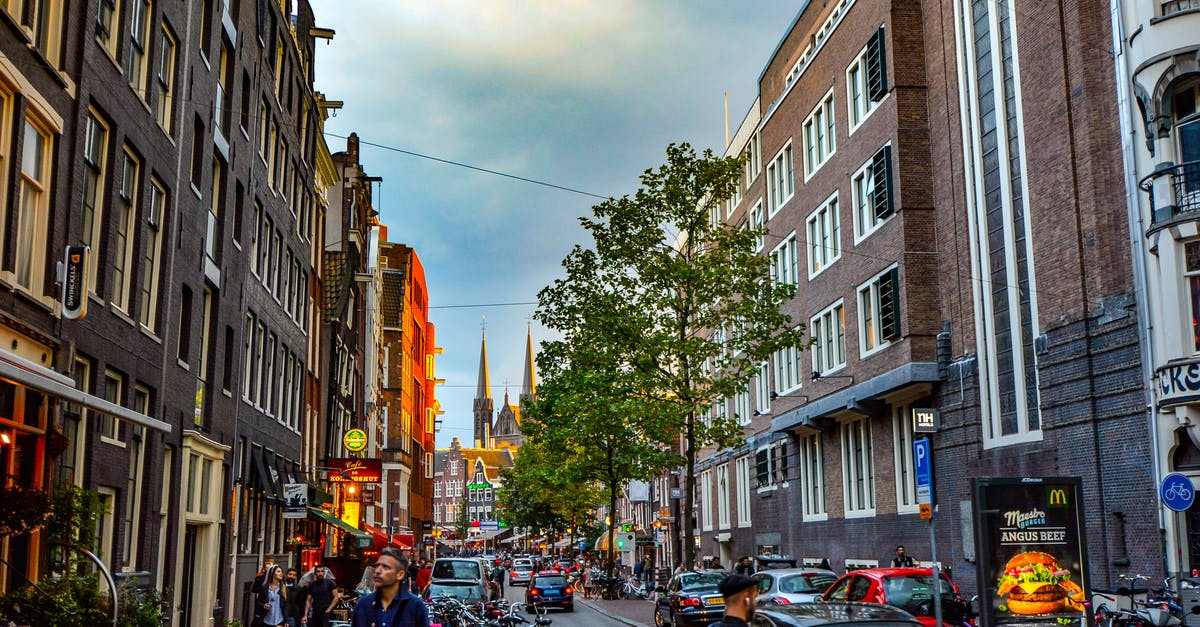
{"x": 535, "y": 495}
{"x": 462, "y": 522}
{"x": 680, "y": 308}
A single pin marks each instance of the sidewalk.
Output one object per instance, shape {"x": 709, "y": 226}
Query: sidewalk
{"x": 635, "y": 612}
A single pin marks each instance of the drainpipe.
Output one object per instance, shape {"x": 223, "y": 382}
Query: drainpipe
{"x": 1141, "y": 293}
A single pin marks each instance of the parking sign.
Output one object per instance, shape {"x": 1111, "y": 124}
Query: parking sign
{"x": 923, "y": 468}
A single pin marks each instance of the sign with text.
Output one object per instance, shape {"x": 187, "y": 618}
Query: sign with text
{"x": 923, "y": 468}
{"x": 355, "y": 440}
{"x": 295, "y": 500}
{"x": 926, "y": 420}
{"x": 355, "y": 469}
{"x": 1030, "y": 541}
{"x": 74, "y": 282}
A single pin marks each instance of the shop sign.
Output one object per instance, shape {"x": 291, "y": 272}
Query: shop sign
{"x": 358, "y": 470}
{"x": 368, "y": 495}
{"x": 1029, "y": 537}
{"x": 74, "y": 282}
{"x": 295, "y": 500}
{"x": 355, "y": 440}
{"x": 926, "y": 420}
{"x": 1178, "y": 384}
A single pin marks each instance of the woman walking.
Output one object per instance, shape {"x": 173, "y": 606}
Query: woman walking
{"x": 270, "y": 598}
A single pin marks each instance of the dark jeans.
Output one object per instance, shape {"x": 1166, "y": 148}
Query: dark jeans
{"x": 319, "y": 619}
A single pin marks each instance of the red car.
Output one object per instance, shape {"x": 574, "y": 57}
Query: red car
{"x": 909, "y": 589}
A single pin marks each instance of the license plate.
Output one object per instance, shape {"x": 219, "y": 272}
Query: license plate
{"x": 552, "y": 591}
{"x": 714, "y": 601}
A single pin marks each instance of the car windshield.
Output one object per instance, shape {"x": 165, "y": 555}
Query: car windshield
{"x": 693, "y": 582}
{"x": 465, "y": 590}
{"x": 805, "y": 583}
{"x": 912, "y": 593}
{"x": 458, "y": 569}
{"x": 550, "y": 582}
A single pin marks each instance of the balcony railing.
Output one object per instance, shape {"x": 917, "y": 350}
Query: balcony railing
{"x": 1174, "y": 192}
{"x": 1170, "y": 7}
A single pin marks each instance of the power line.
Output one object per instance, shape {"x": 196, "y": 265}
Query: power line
{"x": 512, "y": 304}
{"x": 470, "y": 167}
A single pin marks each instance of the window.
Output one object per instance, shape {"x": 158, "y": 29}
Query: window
{"x": 133, "y": 486}
{"x": 248, "y": 371}
{"x": 819, "y": 137}
{"x": 126, "y": 223}
{"x": 742, "y": 466}
{"x": 44, "y": 21}
{"x": 873, "y": 194}
{"x": 812, "y": 474}
{"x": 762, "y": 388}
{"x": 33, "y": 207}
{"x": 824, "y": 236}
{"x": 705, "y": 498}
{"x": 203, "y": 374}
{"x": 114, "y": 392}
{"x": 437, "y": 489}
{"x": 723, "y": 488}
{"x": 787, "y": 369}
{"x": 999, "y": 222}
{"x": 104, "y": 522}
{"x": 785, "y": 262}
{"x": 753, "y": 159}
{"x": 1192, "y": 276}
{"x": 879, "y": 311}
{"x": 906, "y": 480}
{"x": 139, "y": 35}
{"x": 828, "y": 329}
{"x": 741, "y": 406}
{"x": 224, "y": 93}
{"x": 164, "y": 82}
{"x": 770, "y": 464}
{"x": 152, "y": 256}
{"x": 106, "y": 26}
{"x": 757, "y": 223}
{"x": 95, "y": 149}
{"x": 185, "y": 324}
{"x": 858, "y": 468}
{"x": 781, "y": 180}
{"x": 866, "y": 79}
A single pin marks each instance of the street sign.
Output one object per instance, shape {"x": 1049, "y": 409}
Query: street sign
{"x": 923, "y": 468}
{"x": 926, "y": 420}
{"x": 492, "y": 525}
{"x": 676, "y": 493}
{"x": 1177, "y": 492}
{"x": 926, "y": 511}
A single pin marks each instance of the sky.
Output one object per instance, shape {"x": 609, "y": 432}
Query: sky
{"x": 580, "y": 94}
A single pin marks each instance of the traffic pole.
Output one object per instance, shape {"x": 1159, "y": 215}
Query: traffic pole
{"x": 937, "y": 577}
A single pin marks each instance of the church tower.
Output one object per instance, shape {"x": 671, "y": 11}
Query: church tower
{"x": 483, "y": 400}
{"x": 529, "y": 387}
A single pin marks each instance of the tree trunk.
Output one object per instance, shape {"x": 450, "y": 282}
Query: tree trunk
{"x": 612, "y": 528}
{"x": 689, "y": 495}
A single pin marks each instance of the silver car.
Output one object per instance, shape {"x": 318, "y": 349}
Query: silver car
{"x": 784, "y": 586}
{"x": 520, "y": 575}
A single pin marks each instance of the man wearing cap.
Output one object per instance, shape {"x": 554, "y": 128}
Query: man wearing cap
{"x": 741, "y": 593}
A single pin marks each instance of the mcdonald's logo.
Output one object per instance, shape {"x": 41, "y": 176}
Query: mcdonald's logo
{"x": 1056, "y": 497}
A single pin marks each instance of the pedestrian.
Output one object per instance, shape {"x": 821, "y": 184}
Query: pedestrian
{"x": 902, "y": 559}
{"x": 270, "y": 598}
{"x": 638, "y": 569}
{"x": 295, "y": 597}
{"x": 498, "y": 576}
{"x": 744, "y": 567}
{"x": 424, "y": 574}
{"x": 825, "y": 564}
{"x": 741, "y": 593}
{"x": 390, "y": 605}
{"x": 322, "y": 594}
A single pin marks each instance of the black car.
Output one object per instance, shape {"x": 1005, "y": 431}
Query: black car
{"x": 550, "y": 590}
{"x": 832, "y": 613}
{"x": 690, "y": 598}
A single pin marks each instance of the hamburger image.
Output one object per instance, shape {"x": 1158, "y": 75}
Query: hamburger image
{"x": 1036, "y": 584}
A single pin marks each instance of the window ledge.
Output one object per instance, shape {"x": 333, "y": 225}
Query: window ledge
{"x": 815, "y": 517}
{"x": 112, "y": 441}
{"x": 150, "y": 334}
{"x": 767, "y": 489}
{"x": 859, "y": 513}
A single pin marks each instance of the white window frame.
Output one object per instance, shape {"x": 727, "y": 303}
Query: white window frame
{"x": 856, "y": 466}
{"x": 785, "y": 262}
{"x": 856, "y": 79}
{"x": 781, "y": 179}
{"x": 33, "y": 206}
{"x": 820, "y": 135}
{"x": 758, "y": 221}
{"x": 861, "y": 186}
{"x": 787, "y": 371}
{"x": 824, "y": 228}
{"x": 744, "y": 515}
{"x": 723, "y": 488}
{"x": 902, "y": 439}
{"x": 762, "y": 388}
{"x": 126, "y": 219}
{"x": 812, "y": 477}
{"x": 706, "y": 513}
{"x": 106, "y": 425}
{"x": 870, "y": 333}
{"x": 741, "y": 406}
{"x": 828, "y": 330}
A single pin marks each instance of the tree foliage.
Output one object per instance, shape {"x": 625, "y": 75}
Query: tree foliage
{"x": 670, "y": 313}
{"x": 535, "y": 495}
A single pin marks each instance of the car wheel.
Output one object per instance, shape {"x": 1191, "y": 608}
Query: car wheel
{"x": 570, "y": 608}
{"x": 658, "y": 620}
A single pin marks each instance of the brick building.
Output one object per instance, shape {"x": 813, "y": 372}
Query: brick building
{"x": 938, "y": 262}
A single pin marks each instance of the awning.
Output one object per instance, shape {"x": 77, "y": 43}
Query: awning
{"x": 29, "y": 374}
{"x": 398, "y": 540}
{"x": 262, "y": 478}
{"x": 853, "y": 397}
{"x": 330, "y": 519}
{"x": 512, "y": 539}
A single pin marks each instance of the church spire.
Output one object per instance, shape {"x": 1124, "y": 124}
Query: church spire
{"x": 483, "y": 397}
{"x": 529, "y": 388}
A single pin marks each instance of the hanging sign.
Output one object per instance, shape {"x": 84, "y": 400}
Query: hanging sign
{"x": 355, "y": 440}
{"x": 74, "y": 282}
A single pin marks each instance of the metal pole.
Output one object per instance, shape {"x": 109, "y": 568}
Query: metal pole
{"x": 937, "y": 577}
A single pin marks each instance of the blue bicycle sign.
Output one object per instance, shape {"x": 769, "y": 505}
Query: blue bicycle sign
{"x": 1177, "y": 491}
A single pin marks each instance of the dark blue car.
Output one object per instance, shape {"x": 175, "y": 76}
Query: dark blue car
{"x": 550, "y": 590}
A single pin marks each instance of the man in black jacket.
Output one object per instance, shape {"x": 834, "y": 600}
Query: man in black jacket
{"x": 741, "y": 594}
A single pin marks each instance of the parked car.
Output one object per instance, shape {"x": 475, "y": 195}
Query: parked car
{"x": 690, "y": 598}
{"x": 460, "y": 568}
{"x": 550, "y": 590}
{"x": 520, "y": 574}
{"x": 833, "y": 613}
{"x": 463, "y": 589}
{"x": 910, "y": 589}
{"x": 783, "y": 586}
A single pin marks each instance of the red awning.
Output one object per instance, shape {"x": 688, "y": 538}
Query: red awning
{"x": 399, "y": 540}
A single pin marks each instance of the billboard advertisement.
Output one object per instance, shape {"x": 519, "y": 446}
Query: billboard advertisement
{"x": 359, "y": 470}
{"x": 1029, "y": 538}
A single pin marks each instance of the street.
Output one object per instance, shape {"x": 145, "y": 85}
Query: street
{"x": 586, "y": 616}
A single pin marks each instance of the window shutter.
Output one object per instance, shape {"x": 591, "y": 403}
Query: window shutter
{"x": 889, "y": 305}
{"x": 877, "y": 67}
{"x": 881, "y": 183}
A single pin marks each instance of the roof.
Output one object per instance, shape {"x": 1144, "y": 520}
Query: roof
{"x": 392, "y": 301}
{"x": 334, "y": 282}
{"x": 439, "y": 460}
